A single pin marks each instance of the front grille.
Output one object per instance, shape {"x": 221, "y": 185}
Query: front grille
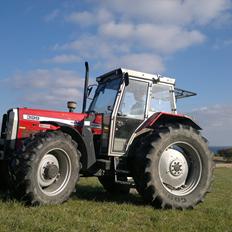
{"x": 12, "y": 124}
{"x": 10, "y": 128}
{"x": 3, "y": 136}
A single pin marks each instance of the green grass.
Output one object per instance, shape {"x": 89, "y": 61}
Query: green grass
{"x": 92, "y": 209}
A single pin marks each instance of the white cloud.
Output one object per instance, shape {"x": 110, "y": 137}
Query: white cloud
{"x": 86, "y": 18}
{"x": 178, "y": 12}
{"x": 46, "y": 88}
{"x": 115, "y": 32}
{"x": 168, "y": 38}
{"x": 139, "y": 61}
{"x": 52, "y": 15}
{"x": 119, "y": 44}
{"x": 228, "y": 42}
{"x": 114, "y": 54}
{"x": 216, "y": 122}
{"x": 161, "y": 39}
{"x": 63, "y": 59}
{"x": 207, "y": 11}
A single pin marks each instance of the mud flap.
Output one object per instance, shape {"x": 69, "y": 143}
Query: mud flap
{"x": 88, "y": 140}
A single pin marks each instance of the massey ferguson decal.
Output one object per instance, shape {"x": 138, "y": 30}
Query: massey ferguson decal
{"x": 31, "y": 117}
{"x": 47, "y": 119}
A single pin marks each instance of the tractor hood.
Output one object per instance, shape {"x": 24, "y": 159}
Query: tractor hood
{"x": 34, "y": 120}
{"x": 27, "y": 115}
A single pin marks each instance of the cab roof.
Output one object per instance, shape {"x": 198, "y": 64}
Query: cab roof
{"x": 142, "y": 75}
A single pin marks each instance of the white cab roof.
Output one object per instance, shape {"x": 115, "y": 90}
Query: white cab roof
{"x": 148, "y": 76}
{"x": 142, "y": 75}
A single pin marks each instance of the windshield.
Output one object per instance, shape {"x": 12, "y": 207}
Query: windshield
{"x": 105, "y": 96}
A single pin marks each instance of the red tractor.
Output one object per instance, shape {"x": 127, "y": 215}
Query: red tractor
{"x": 130, "y": 136}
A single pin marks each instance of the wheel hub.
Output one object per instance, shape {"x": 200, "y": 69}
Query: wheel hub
{"x": 173, "y": 168}
{"x": 176, "y": 168}
{"x": 50, "y": 171}
{"x": 54, "y": 171}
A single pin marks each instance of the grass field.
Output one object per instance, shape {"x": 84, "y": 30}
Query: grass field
{"x": 92, "y": 209}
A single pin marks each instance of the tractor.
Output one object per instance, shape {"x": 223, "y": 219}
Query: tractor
{"x": 129, "y": 136}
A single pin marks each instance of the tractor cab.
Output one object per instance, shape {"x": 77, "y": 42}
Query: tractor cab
{"x": 126, "y": 99}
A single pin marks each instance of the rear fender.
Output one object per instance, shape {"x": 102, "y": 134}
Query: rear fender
{"x": 87, "y": 158}
{"x": 155, "y": 121}
{"x": 161, "y": 118}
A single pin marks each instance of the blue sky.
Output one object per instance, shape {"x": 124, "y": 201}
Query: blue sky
{"x": 43, "y": 46}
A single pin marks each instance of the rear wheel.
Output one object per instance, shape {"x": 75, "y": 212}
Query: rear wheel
{"x": 47, "y": 169}
{"x": 173, "y": 168}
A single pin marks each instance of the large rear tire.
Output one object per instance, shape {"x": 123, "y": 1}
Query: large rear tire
{"x": 172, "y": 168}
{"x": 46, "y": 170}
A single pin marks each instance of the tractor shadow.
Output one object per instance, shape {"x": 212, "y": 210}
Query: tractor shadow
{"x": 98, "y": 194}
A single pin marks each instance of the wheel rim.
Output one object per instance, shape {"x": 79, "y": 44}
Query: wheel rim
{"x": 180, "y": 168}
{"x": 54, "y": 172}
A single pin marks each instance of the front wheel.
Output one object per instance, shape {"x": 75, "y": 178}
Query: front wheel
{"x": 47, "y": 169}
{"x": 173, "y": 168}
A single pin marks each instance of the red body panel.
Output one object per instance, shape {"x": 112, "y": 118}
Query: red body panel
{"x": 97, "y": 127}
{"x": 30, "y": 120}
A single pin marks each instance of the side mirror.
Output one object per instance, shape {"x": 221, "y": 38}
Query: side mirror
{"x": 126, "y": 79}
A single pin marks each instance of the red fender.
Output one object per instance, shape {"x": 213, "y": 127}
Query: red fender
{"x": 160, "y": 118}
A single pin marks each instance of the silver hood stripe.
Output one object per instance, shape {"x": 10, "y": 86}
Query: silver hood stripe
{"x": 47, "y": 119}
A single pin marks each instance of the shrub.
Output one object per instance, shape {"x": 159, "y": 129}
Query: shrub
{"x": 226, "y": 154}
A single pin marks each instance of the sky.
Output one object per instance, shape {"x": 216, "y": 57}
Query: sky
{"x": 44, "y": 44}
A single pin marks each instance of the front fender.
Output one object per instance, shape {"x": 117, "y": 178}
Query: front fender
{"x": 88, "y": 157}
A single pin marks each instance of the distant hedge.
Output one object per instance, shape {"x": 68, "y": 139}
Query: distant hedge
{"x": 226, "y": 154}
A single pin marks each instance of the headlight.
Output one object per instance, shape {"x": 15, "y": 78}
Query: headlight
{"x": 12, "y": 127}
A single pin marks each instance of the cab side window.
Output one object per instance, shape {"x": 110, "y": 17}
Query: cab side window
{"x": 160, "y": 99}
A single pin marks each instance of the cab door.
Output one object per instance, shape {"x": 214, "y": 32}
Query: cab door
{"x": 131, "y": 113}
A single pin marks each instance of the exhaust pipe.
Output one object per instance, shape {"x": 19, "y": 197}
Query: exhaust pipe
{"x": 86, "y": 86}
